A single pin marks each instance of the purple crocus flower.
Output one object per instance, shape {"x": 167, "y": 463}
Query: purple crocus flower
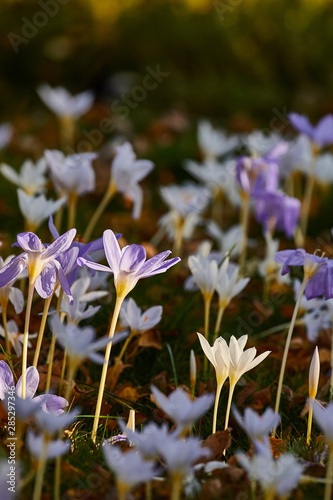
{"x": 277, "y": 210}
{"x": 258, "y": 174}
{"x": 318, "y": 270}
{"x": 321, "y": 134}
{"x": 40, "y": 261}
{"x": 129, "y": 264}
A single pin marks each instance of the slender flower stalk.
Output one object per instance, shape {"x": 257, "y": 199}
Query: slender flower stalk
{"x": 324, "y": 418}
{"x": 128, "y": 266}
{"x": 244, "y": 222}
{"x": 288, "y": 340}
{"x": 313, "y": 387}
{"x": 41, "y": 331}
{"x": 115, "y": 315}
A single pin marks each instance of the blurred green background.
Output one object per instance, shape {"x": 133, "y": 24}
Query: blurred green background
{"x": 234, "y": 61}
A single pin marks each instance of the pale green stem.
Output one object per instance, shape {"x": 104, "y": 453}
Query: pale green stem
{"x": 329, "y": 474}
{"x": 109, "y": 193}
{"x": 52, "y": 347}
{"x": 269, "y": 494}
{"x": 207, "y": 302}
{"x": 41, "y": 469}
{"x": 148, "y": 490}
{"x": 178, "y": 241}
{"x": 308, "y": 433}
{"x": 117, "y": 307}
{"x": 67, "y": 131}
{"x": 72, "y": 206}
{"x": 57, "y": 479}
{"x": 47, "y": 303}
{"x": 5, "y": 327}
{"x": 176, "y": 487}
{"x": 287, "y": 344}
{"x": 63, "y": 368}
{"x": 58, "y": 218}
{"x": 50, "y": 363}
{"x": 125, "y": 344}
{"x": 218, "y": 321}
{"x": 216, "y": 405}
{"x": 26, "y": 337}
{"x": 122, "y": 490}
{"x": 245, "y": 216}
{"x": 227, "y": 415}
{"x": 71, "y": 372}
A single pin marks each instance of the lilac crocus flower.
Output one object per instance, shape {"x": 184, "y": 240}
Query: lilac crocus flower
{"x": 278, "y": 210}
{"x": 257, "y": 427}
{"x": 258, "y": 174}
{"x": 321, "y": 134}
{"x": 48, "y": 403}
{"x": 129, "y": 264}
{"x": 318, "y": 270}
{"x": 37, "y": 258}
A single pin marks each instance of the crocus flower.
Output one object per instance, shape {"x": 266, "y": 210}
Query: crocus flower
{"x": 6, "y": 132}
{"x": 276, "y": 477}
{"x": 9, "y": 293}
{"x": 149, "y": 440}
{"x": 228, "y": 285}
{"x": 14, "y": 337}
{"x": 321, "y": 134}
{"x": 213, "y": 142}
{"x": 55, "y": 448}
{"x": 36, "y": 209}
{"x": 318, "y": 271}
{"x": 62, "y": 103}
{"x": 132, "y": 316}
{"x": 214, "y": 176}
{"x": 126, "y": 173}
{"x": 48, "y": 403}
{"x": 35, "y": 258}
{"x": 228, "y": 241}
{"x": 129, "y": 264}
{"x": 130, "y": 468}
{"x": 181, "y": 409}
{"x": 257, "y": 427}
{"x": 276, "y": 210}
{"x": 73, "y": 174}
{"x": 31, "y": 177}
{"x": 77, "y": 309}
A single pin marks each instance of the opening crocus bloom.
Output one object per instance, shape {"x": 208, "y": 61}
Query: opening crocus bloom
{"x": 318, "y": 270}
{"x": 36, "y": 258}
{"x": 129, "y": 264}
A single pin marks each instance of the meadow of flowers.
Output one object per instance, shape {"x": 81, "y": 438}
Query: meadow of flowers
{"x": 164, "y": 339}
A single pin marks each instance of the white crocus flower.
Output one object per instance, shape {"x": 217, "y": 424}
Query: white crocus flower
{"x": 314, "y": 373}
{"x": 6, "y": 132}
{"x": 36, "y": 209}
{"x": 72, "y": 175}
{"x": 211, "y": 174}
{"x": 214, "y": 355}
{"x": 213, "y": 142}
{"x": 62, "y": 103}
{"x": 15, "y": 337}
{"x": 205, "y": 273}
{"x": 31, "y": 177}
{"x": 228, "y": 285}
{"x": 186, "y": 204}
{"x": 276, "y": 477}
{"x": 268, "y": 267}
{"x": 260, "y": 143}
{"x": 228, "y": 241}
{"x": 181, "y": 408}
